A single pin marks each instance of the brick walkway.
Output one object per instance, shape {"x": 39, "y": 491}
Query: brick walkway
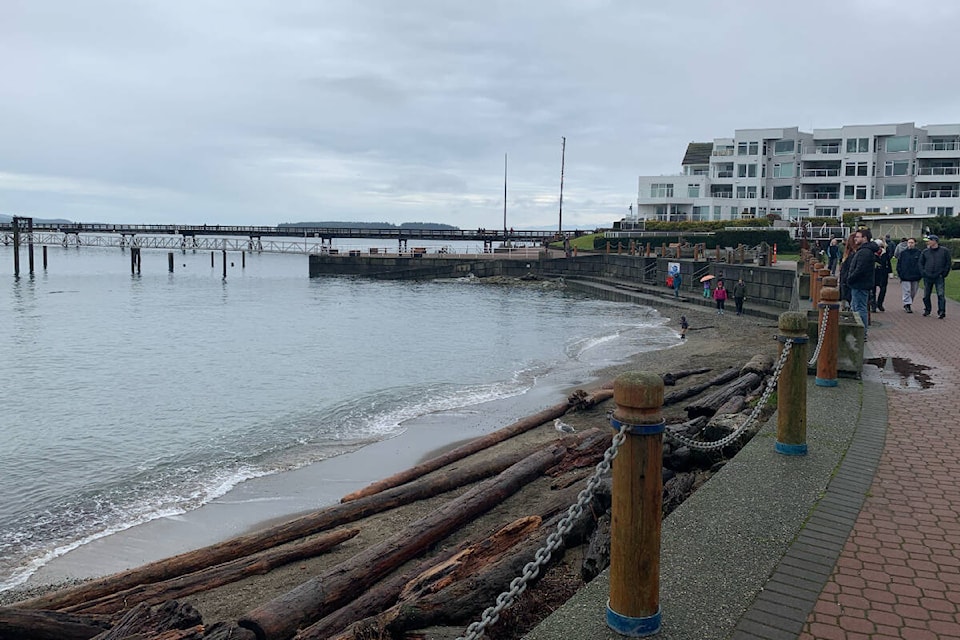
{"x": 898, "y": 574}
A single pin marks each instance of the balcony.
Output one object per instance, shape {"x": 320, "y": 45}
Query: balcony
{"x": 830, "y": 149}
{"x": 820, "y": 195}
{"x": 724, "y": 174}
{"x": 722, "y": 194}
{"x": 946, "y": 149}
{"x": 936, "y": 174}
{"x": 722, "y": 152}
{"x": 940, "y": 193}
{"x": 821, "y": 173}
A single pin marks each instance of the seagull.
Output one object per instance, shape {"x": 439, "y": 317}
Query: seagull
{"x": 560, "y": 425}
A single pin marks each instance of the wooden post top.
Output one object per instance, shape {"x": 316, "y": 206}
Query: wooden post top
{"x": 792, "y": 323}
{"x": 639, "y": 397}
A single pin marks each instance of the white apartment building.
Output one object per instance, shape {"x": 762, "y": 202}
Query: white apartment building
{"x": 883, "y": 168}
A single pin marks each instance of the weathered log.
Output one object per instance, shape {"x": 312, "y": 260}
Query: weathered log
{"x": 282, "y": 616}
{"x": 153, "y": 623}
{"x": 29, "y": 624}
{"x": 578, "y": 399}
{"x": 734, "y": 404}
{"x": 238, "y": 547}
{"x": 213, "y": 577}
{"x": 708, "y": 405}
{"x": 682, "y": 394}
{"x": 587, "y": 453}
{"x": 431, "y": 576}
{"x": 761, "y": 363}
{"x": 228, "y": 631}
{"x": 597, "y": 556}
{"x": 670, "y": 378}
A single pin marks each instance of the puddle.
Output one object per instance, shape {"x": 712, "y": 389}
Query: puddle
{"x": 902, "y": 373}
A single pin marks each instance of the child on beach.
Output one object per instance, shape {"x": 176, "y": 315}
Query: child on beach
{"x": 706, "y": 289}
{"x": 720, "y": 297}
{"x": 683, "y": 327}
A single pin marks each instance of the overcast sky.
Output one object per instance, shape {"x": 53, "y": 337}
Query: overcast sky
{"x": 262, "y": 112}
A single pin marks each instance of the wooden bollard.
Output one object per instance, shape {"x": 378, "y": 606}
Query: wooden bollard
{"x": 816, "y": 282}
{"x": 792, "y": 386}
{"x": 830, "y": 342}
{"x": 637, "y": 495}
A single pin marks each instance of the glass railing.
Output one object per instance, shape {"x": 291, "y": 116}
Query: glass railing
{"x": 821, "y": 173}
{"x": 940, "y": 146}
{"x": 724, "y": 174}
{"x": 722, "y": 152}
{"x": 940, "y": 193}
{"x": 821, "y": 195}
{"x": 939, "y": 171}
{"x": 722, "y": 194}
{"x": 828, "y": 149}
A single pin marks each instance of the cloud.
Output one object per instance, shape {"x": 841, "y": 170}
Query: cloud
{"x": 255, "y": 112}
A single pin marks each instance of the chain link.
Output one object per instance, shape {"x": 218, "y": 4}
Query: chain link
{"x": 820, "y": 337}
{"x": 532, "y": 569}
{"x": 719, "y": 444}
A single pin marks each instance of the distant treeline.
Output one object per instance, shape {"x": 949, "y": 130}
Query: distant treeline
{"x": 368, "y": 225}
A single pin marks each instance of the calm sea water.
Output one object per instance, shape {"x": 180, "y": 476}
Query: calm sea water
{"x": 129, "y": 398}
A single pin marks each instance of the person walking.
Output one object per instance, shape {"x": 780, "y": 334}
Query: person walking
{"x": 849, "y": 248}
{"x": 908, "y": 270}
{"x": 720, "y": 296}
{"x": 676, "y": 284}
{"x": 881, "y": 273}
{"x": 684, "y": 325}
{"x": 739, "y": 294}
{"x": 833, "y": 256}
{"x": 935, "y": 265}
{"x": 860, "y": 277}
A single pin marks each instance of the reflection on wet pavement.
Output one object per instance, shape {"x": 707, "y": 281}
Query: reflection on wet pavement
{"x": 902, "y": 373}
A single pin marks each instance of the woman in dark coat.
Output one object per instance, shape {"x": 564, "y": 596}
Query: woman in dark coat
{"x": 881, "y": 273}
{"x": 848, "y": 250}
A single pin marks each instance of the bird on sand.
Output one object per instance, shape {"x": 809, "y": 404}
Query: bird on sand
{"x": 560, "y": 425}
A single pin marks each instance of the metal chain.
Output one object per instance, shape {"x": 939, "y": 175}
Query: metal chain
{"x": 820, "y": 337}
{"x": 532, "y": 569}
{"x": 719, "y": 444}
{"x": 542, "y": 556}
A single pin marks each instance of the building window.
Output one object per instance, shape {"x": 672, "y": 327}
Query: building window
{"x": 856, "y": 169}
{"x": 783, "y": 147}
{"x": 782, "y": 193}
{"x": 661, "y": 190}
{"x": 855, "y": 192}
{"x": 858, "y": 145}
{"x": 717, "y": 212}
{"x": 940, "y": 211}
{"x": 747, "y": 148}
{"x": 746, "y": 192}
{"x": 693, "y": 190}
{"x": 733, "y": 213}
{"x": 898, "y": 143}
{"x": 746, "y": 171}
{"x": 783, "y": 170}
{"x": 896, "y": 168}
{"x": 895, "y": 191}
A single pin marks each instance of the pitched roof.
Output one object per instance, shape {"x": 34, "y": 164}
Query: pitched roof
{"x": 698, "y": 153}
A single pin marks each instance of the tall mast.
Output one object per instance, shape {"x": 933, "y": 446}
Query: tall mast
{"x": 504, "y": 198}
{"x": 563, "y": 154}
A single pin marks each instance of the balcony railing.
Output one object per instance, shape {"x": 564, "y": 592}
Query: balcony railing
{"x": 821, "y": 195}
{"x": 940, "y": 146}
{"x": 724, "y": 174}
{"x": 821, "y": 149}
{"x": 821, "y": 173}
{"x": 940, "y": 193}
{"x": 722, "y": 194}
{"x": 722, "y": 152}
{"x": 939, "y": 171}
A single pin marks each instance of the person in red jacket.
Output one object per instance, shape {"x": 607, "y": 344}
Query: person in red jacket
{"x": 720, "y": 296}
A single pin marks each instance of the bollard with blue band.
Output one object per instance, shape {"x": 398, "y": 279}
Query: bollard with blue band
{"x": 830, "y": 341}
{"x": 792, "y": 386}
{"x": 633, "y": 608}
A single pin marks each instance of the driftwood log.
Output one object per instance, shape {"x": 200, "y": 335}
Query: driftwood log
{"x": 708, "y": 405}
{"x": 577, "y": 399}
{"x": 761, "y": 363}
{"x": 169, "y": 621}
{"x": 238, "y": 547}
{"x": 735, "y": 404}
{"x": 280, "y": 618}
{"x": 29, "y": 624}
{"x": 213, "y": 577}
{"x": 670, "y": 378}
{"x": 682, "y": 394}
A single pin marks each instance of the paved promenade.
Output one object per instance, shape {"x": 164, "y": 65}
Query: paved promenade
{"x": 858, "y": 540}
{"x": 898, "y": 575}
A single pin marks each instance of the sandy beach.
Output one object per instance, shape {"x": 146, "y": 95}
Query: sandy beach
{"x": 713, "y": 341}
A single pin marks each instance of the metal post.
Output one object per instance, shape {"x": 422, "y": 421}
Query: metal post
{"x": 634, "y": 605}
{"x": 170, "y": 261}
{"x": 827, "y": 359}
{"x": 212, "y": 263}
{"x": 224, "y": 252}
{"x": 243, "y": 259}
{"x": 16, "y": 247}
{"x": 30, "y": 245}
{"x": 792, "y": 386}
{"x": 44, "y": 257}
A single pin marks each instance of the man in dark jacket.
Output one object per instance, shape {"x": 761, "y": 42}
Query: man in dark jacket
{"x": 860, "y": 276}
{"x": 935, "y": 265}
{"x": 882, "y": 271}
{"x": 908, "y": 270}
